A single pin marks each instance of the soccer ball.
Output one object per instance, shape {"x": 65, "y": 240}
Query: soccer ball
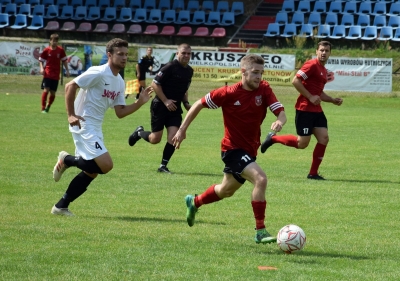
{"x": 291, "y": 238}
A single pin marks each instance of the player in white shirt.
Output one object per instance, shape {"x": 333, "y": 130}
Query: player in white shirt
{"x": 101, "y": 87}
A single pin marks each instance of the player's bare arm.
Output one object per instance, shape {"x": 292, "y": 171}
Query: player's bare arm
{"x": 70, "y": 92}
{"x": 280, "y": 122}
{"x": 297, "y": 83}
{"x": 327, "y": 98}
{"x": 190, "y": 116}
{"x": 160, "y": 94}
{"x": 65, "y": 63}
{"x": 123, "y": 110}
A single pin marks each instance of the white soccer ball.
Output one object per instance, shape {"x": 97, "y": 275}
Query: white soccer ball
{"x": 291, "y": 238}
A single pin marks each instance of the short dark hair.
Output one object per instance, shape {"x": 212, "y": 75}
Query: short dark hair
{"x": 324, "y": 43}
{"x": 116, "y": 42}
{"x": 247, "y": 61}
{"x": 54, "y": 36}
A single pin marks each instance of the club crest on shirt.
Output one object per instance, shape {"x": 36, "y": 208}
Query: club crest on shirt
{"x": 258, "y": 100}
{"x": 159, "y": 74}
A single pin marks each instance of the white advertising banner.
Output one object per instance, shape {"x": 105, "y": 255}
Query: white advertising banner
{"x": 225, "y": 66}
{"x": 360, "y": 74}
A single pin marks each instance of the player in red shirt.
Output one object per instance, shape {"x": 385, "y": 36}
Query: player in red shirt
{"x": 49, "y": 62}
{"x": 244, "y": 107}
{"x": 310, "y": 81}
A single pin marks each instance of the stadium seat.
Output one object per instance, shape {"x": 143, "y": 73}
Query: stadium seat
{"x": 149, "y": 5}
{"x": 363, "y": 20}
{"x": 394, "y": 22}
{"x": 103, "y": 4}
{"x": 347, "y": 19}
{"x": 222, "y": 6}
{"x": 290, "y": 30}
{"x": 101, "y": 28}
{"x": 169, "y": 17}
{"x": 80, "y": 13}
{"x": 140, "y": 15}
{"x": 76, "y": 3}
{"x": 335, "y": 7}
{"x": 199, "y": 17}
{"x": 218, "y": 32}
{"x": 154, "y": 16}
{"x": 19, "y": 2}
{"x": 370, "y": 33}
{"x": 135, "y": 4}
{"x": 314, "y": 19}
{"x": 33, "y": 2}
{"x": 52, "y": 12}
{"x": 379, "y": 8}
{"x": 320, "y": 7}
{"x": 339, "y": 32}
{"x": 324, "y": 31}
{"x": 168, "y": 30}
{"x": 185, "y": 31}
{"x": 67, "y": 12}
{"x": 207, "y": 6}
{"x": 201, "y": 31}
{"x": 365, "y": 7}
{"x": 350, "y": 7}
{"x": 61, "y": 4}
{"x": 164, "y": 5}
{"x": 93, "y": 13}
{"x": 47, "y": 3}
{"x": 90, "y": 3}
{"x": 298, "y": 18}
{"x": 379, "y": 21}
{"x": 331, "y": 19}
{"x": 135, "y": 29}
{"x": 36, "y": 23}
{"x": 178, "y": 5}
{"x": 273, "y": 30}
{"x": 52, "y": 25}
{"x": 183, "y": 17}
{"x": 24, "y": 9}
{"x": 237, "y": 8}
{"x": 119, "y": 4}
{"x": 20, "y": 22}
{"x": 281, "y": 18}
{"x": 118, "y": 28}
{"x": 288, "y": 6}
{"x": 10, "y": 9}
{"x": 110, "y": 14}
{"x": 193, "y": 6}
{"x": 4, "y": 22}
{"x": 304, "y": 7}
{"x": 213, "y": 18}
{"x": 354, "y": 32}
{"x": 38, "y": 10}
{"x": 84, "y": 27}
{"x": 386, "y": 33}
{"x": 396, "y": 36}
{"x": 228, "y": 19}
{"x": 68, "y": 26}
{"x": 394, "y": 9}
{"x": 306, "y": 30}
{"x": 151, "y": 29}
{"x": 125, "y": 15}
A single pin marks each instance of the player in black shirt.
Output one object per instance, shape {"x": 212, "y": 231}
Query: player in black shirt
{"x": 170, "y": 85}
{"x": 144, "y": 65}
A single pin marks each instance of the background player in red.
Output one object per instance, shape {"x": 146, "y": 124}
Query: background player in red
{"x": 309, "y": 81}
{"x": 244, "y": 107}
{"x": 49, "y": 62}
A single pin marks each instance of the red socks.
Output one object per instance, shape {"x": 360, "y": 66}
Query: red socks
{"x": 288, "y": 140}
{"x": 259, "y": 208}
{"x": 207, "y": 197}
{"x": 51, "y": 99}
{"x": 318, "y": 155}
{"x": 44, "y": 100}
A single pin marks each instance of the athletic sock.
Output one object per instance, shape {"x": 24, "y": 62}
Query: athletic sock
{"x": 51, "y": 100}
{"x": 288, "y": 140}
{"x": 169, "y": 150}
{"x": 44, "y": 99}
{"x": 145, "y": 135}
{"x": 318, "y": 156}
{"x": 207, "y": 197}
{"x": 88, "y": 166}
{"x": 259, "y": 208}
{"x": 76, "y": 188}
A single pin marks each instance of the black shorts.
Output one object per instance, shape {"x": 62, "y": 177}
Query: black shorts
{"x": 235, "y": 161}
{"x": 161, "y": 117}
{"x": 50, "y": 84}
{"x": 307, "y": 121}
{"x": 142, "y": 75}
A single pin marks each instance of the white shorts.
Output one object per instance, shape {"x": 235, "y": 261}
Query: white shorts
{"x": 89, "y": 144}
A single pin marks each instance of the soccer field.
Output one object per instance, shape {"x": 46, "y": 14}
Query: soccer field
{"x": 131, "y": 225}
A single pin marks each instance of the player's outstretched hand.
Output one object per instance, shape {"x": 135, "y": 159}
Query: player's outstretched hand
{"x": 73, "y": 120}
{"x": 178, "y": 138}
{"x": 337, "y": 101}
{"x": 145, "y": 95}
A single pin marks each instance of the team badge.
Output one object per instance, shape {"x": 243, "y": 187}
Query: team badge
{"x": 258, "y": 100}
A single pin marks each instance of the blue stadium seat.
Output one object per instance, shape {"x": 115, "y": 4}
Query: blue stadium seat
{"x": 304, "y": 7}
{"x": 365, "y": 7}
{"x": 335, "y": 7}
{"x": 306, "y": 30}
{"x": 354, "y": 32}
{"x": 288, "y": 6}
{"x": 183, "y": 17}
{"x": 273, "y": 30}
{"x": 47, "y": 3}
{"x": 394, "y": 22}
{"x": 282, "y": 18}
{"x": 169, "y": 17}
{"x": 33, "y": 2}
{"x": 290, "y": 30}
{"x": 320, "y": 7}
{"x": 36, "y": 23}
{"x": 119, "y": 4}
{"x": 331, "y": 19}
{"x": 61, "y": 4}
{"x": 228, "y": 19}
{"x": 350, "y": 7}
{"x": 199, "y": 17}
{"x": 363, "y": 20}
{"x": 396, "y": 36}
{"x": 347, "y": 19}
{"x": 110, "y": 14}
{"x": 370, "y": 33}
{"x": 93, "y": 14}
{"x": 324, "y": 31}
{"x": 140, "y": 15}
{"x": 135, "y": 4}
{"x": 193, "y": 6}
{"x": 178, "y": 5}
{"x": 394, "y": 9}
{"x": 213, "y": 18}
{"x": 5, "y": 2}
{"x": 4, "y": 22}
{"x": 125, "y": 15}
{"x": 164, "y": 5}
{"x": 19, "y": 2}
{"x": 222, "y": 6}
{"x": 52, "y": 12}
{"x": 386, "y": 33}
{"x": 80, "y": 13}
{"x": 379, "y": 8}
{"x": 38, "y": 10}
{"x": 237, "y": 8}
{"x": 314, "y": 19}
{"x": 207, "y": 6}
{"x": 149, "y": 4}
{"x": 20, "y": 22}
{"x": 11, "y": 9}
{"x": 90, "y": 3}
{"x": 154, "y": 16}
{"x": 298, "y": 18}
{"x": 379, "y": 21}
{"x": 339, "y": 32}
{"x": 67, "y": 12}
{"x": 103, "y": 4}
{"x": 76, "y": 3}
{"x": 25, "y": 9}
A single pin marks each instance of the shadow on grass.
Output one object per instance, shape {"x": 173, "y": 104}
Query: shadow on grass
{"x": 200, "y": 174}
{"x": 365, "y": 181}
{"x": 305, "y": 253}
{"x": 152, "y": 219}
